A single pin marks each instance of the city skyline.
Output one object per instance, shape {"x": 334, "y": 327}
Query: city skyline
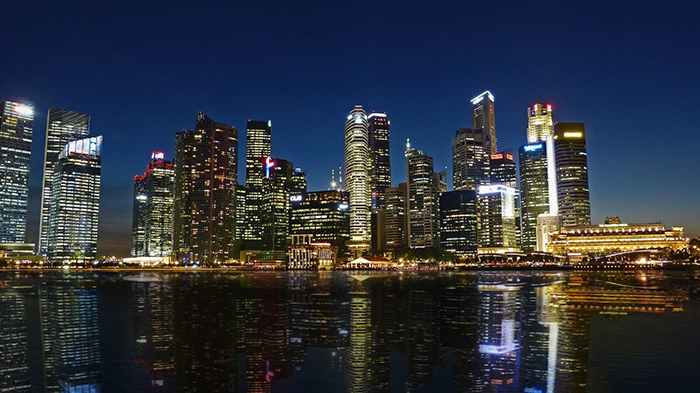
{"x": 586, "y": 83}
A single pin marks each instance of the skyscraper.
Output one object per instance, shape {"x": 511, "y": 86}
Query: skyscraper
{"x": 62, "y": 126}
{"x": 275, "y": 207}
{"x": 152, "y": 233}
{"x": 471, "y": 150}
{"x": 323, "y": 214}
{"x": 75, "y": 202}
{"x": 539, "y": 123}
{"x": 504, "y": 171}
{"x": 484, "y": 117}
{"x": 379, "y": 148}
{"x": 357, "y": 177}
{"x": 396, "y": 217}
{"x": 423, "y": 215}
{"x": 458, "y": 222}
{"x": 16, "y": 122}
{"x": 571, "y": 165}
{"x": 534, "y": 191}
{"x": 496, "y": 217}
{"x": 206, "y": 169}
{"x": 258, "y": 148}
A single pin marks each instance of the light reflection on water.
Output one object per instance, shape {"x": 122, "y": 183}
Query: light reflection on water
{"x": 337, "y": 332}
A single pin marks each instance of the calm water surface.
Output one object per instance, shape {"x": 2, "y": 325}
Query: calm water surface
{"x": 337, "y": 332}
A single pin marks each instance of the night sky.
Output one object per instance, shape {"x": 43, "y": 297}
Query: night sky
{"x": 142, "y": 70}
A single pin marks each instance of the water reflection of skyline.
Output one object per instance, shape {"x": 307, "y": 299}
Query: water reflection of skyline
{"x": 487, "y": 332}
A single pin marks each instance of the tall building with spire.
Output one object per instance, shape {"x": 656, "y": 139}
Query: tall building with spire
{"x": 62, "y": 126}
{"x": 358, "y": 177}
{"x": 16, "y": 127}
{"x": 483, "y": 115}
{"x": 539, "y": 123}
{"x": 258, "y": 148}
{"x": 75, "y": 202}
{"x": 206, "y": 170}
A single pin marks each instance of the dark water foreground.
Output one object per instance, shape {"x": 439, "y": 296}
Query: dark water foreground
{"x": 337, "y": 332}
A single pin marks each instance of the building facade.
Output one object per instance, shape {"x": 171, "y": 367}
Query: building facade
{"x": 423, "y": 214}
{"x": 496, "y": 212}
{"x": 206, "y": 170}
{"x": 152, "y": 227}
{"x": 75, "y": 202}
{"x": 458, "y": 222}
{"x": 358, "y": 177}
{"x": 275, "y": 209}
{"x": 483, "y": 115}
{"x": 323, "y": 214}
{"x": 471, "y": 151}
{"x": 571, "y": 165}
{"x": 539, "y": 123}
{"x": 396, "y": 217}
{"x": 62, "y": 126}
{"x": 534, "y": 191}
{"x": 379, "y": 125}
{"x": 16, "y": 127}
{"x": 258, "y": 148}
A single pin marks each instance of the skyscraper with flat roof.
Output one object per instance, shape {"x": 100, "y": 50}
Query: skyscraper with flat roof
{"x": 571, "y": 163}
{"x": 258, "y": 148}
{"x": 471, "y": 151}
{"x": 378, "y": 125}
{"x": 458, "y": 222}
{"x": 539, "y": 123}
{"x": 206, "y": 170}
{"x": 152, "y": 233}
{"x": 483, "y": 115}
{"x": 396, "y": 217}
{"x": 75, "y": 202}
{"x": 16, "y": 125}
{"x": 62, "y": 126}
{"x": 534, "y": 191}
{"x": 358, "y": 177}
{"x": 423, "y": 214}
{"x": 496, "y": 217}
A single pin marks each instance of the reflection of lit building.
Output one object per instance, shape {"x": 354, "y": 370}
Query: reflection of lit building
{"x": 458, "y": 222}
{"x": 357, "y": 353}
{"x": 605, "y": 239}
{"x": 423, "y": 335}
{"x": 152, "y": 228}
{"x": 75, "y": 201}
{"x": 496, "y": 217}
{"x": 206, "y": 170}
{"x": 14, "y": 345}
{"x": 499, "y": 334}
{"x": 71, "y": 335}
{"x": 16, "y": 122}
{"x": 62, "y": 126}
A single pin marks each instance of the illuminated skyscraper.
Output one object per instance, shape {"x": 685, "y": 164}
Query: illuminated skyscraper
{"x": 75, "y": 202}
{"x": 16, "y": 122}
{"x": 423, "y": 214}
{"x": 275, "y": 208}
{"x": 258, "y": 148}
{"x": 152, "y": 233}
{"x": 381, "y": 164}
{"x": 458, "y": 222}
{"x": 396, "y": 217}
{"x": 62, "y": 126}
{"x": 571, "y": 164}
{"x": 504, "y": 171}
{"x": 358, "y": 177}
{"x": 206, "y": 169}
{"x": 484, "y": 117}
{"x": 539, "y": 123}
{"x": 471, "y": 151}
{"x": 323, "y": 214}
{"x": 534, "y": 191}
{"x": 496, "y": 217}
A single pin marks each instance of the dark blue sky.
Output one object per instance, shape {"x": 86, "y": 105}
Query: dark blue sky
{"x": 142, "y": 70}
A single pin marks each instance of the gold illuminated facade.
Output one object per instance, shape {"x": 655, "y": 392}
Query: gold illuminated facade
{"x": 606, "y": 239}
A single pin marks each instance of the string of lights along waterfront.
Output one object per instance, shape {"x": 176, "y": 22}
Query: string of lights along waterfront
{"x": 506, "y": 205}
